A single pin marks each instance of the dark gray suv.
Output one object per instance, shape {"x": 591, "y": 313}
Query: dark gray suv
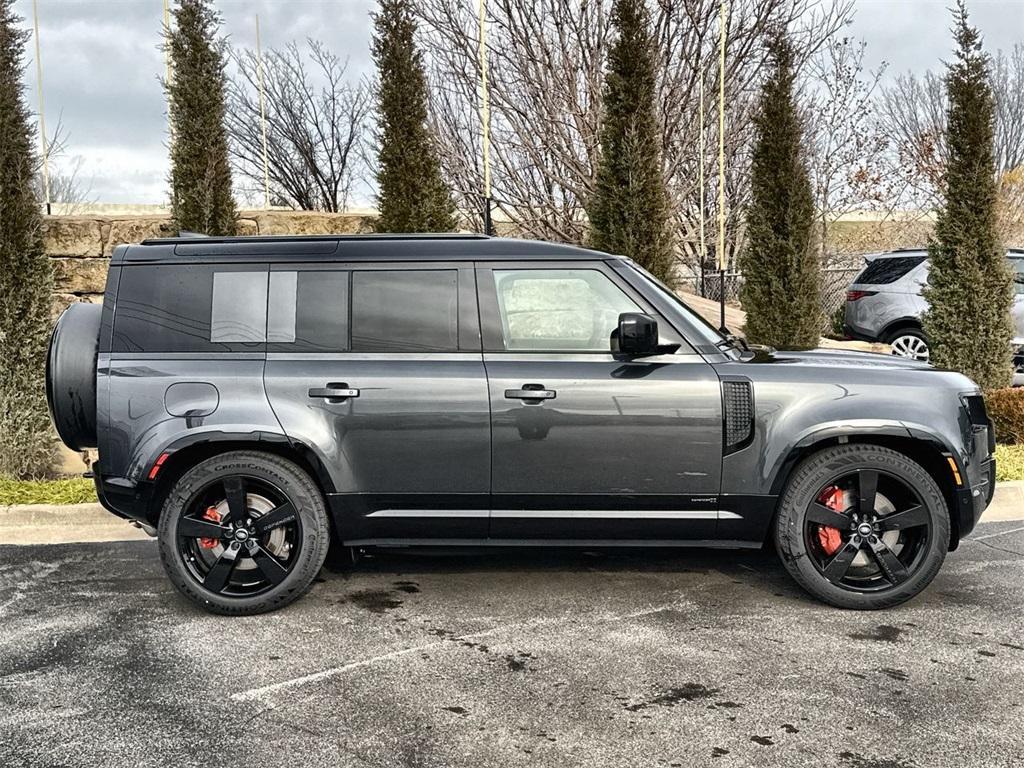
{"x": 255, "y": 400}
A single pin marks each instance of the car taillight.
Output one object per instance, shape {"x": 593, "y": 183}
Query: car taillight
{"x": 855, "y": 295}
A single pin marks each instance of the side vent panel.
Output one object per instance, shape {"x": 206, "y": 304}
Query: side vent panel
{"x": 738, "y": 403}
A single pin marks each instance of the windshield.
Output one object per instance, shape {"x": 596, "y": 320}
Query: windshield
{"x": 708, "y": 336}
{"x": 1018, "y": 273}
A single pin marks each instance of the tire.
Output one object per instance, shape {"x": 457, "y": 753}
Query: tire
{"x": 909, "y": 342}
{"x": 71, "y": 375}
{"x": 276, "y": 559}
{"x": 816, "y": 554}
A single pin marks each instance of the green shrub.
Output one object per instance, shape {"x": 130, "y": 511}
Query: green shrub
{"x": 74, "y": 490}
{"x": 1006, "y": 410}
{"x": 1009, "y": 462}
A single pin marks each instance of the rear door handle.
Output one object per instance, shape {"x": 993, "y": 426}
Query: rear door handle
{"x": 334, "y": 392}
{"x": 530, "y": 392}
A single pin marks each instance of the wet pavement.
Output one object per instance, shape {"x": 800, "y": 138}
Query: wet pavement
{"x": 560, "y": 658}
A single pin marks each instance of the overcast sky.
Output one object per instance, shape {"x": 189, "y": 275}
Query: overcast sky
{"x": 101, "y": 63}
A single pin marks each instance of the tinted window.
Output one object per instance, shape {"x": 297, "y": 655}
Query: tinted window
{"x": 172, "y": 309}
{"x": 308, "y": 311}
{"x": 559, "y": 309}
{"x": 405, "y": 311}
{"x": 888, "y": 269}
{"x": 1018, "y": 273}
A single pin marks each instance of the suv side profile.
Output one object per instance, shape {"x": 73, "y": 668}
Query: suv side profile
{"x": 254, "y": 400}
{"x": 884, "y": 303}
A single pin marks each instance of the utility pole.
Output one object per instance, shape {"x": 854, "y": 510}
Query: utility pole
{"x": 263, "y": 118}
{"x": 42, "y": 118}
{"x": 485, "y": 120}
{"x": 721, "y": 160}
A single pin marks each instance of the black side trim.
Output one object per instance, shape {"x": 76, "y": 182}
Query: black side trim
{"x": 738, "y": 413}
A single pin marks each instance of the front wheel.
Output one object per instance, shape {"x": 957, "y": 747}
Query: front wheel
{"x": 862, "y": 526}
{"x": 243, "y": 533}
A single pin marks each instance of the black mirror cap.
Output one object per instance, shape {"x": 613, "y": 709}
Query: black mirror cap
{"x": 637, "y": 334}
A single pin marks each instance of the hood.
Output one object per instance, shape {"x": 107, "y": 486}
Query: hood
{"x": 838, "y": 358}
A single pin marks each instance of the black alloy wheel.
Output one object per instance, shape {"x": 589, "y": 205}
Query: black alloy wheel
{"x": 867, "y": 530}
{"x": 239, "y": 536}
{"x": 243, "y": 533}
{"x": 862, "y": 526}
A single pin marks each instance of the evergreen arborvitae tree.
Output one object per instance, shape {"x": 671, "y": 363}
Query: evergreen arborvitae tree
{"x": 201, "y": 198}
{"x": 628, "y": 209}
{"x": 781, "y": 292}
{"x": 969, "y": 283}
{"x": 26, "y": 281}
{"x": 413, "y": 196}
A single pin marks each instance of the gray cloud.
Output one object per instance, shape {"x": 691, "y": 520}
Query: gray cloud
{"x": 102, "y": 61}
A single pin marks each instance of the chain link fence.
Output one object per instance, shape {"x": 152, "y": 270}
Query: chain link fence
{"x": 834, "y": 282}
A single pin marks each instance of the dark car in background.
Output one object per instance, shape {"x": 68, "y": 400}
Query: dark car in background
{"x": 256, "y": 400}
{"x": 884, "y": 303}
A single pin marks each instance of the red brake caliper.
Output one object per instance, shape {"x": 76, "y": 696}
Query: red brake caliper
{"x": 213, "y": 516}
{"x": 830, "y": 538}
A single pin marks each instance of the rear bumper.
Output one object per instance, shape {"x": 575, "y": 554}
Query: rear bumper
{"x": 858, "y": 334}
{"x": 122, "y": 497}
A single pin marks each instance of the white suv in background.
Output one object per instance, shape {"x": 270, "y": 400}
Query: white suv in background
{"x": 884, "y": 303}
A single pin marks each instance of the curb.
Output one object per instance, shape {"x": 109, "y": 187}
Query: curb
{"x": 63, "y": 524}
{"x": 70, "y": 523}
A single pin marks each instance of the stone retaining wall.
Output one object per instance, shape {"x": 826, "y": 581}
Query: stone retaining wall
{"x": 80, "y": 246}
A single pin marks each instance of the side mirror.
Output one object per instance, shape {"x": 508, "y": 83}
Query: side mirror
{"x": 637, "y": 334}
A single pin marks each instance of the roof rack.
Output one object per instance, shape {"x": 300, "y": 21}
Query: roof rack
{"x": 191, "y": 237}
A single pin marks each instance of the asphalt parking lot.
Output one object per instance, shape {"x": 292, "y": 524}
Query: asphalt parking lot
{"x": 650, "y": 658}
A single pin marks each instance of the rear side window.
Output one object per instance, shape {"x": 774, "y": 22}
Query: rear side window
{"x": 308, "y": 311}
{"x": 190, "y": 308}
{"x": 886, "y": 270}
{"x": 405, "y": 310}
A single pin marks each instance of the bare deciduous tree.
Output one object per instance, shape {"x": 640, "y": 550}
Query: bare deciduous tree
{"x": 545, "y": 67}
{"x": 912, "y": 111}
{"x": 847, "y": 152}
{"x": 316, "y": 122}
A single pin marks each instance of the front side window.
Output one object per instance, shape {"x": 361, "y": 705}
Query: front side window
{"x": 559, "y": 310}
{"x": 410, "y": 310}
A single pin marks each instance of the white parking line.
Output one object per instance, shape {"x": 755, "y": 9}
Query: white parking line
{"x": 993, "y": 535}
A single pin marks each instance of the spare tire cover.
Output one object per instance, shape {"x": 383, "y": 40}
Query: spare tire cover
{"x": 71, "y": 375}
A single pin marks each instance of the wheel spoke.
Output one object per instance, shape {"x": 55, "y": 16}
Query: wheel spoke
{"x": 867, "y": 490}
{"x": 840, "y": 564}
{"x": 269, "y": 566}
{"x": 220, "y": 572}
{"x": 893, "y": 570}
{"x": 234, "y": 489}
{"x": 822, "y": 515}
{"x": 908, "y": 518}
{"x": 194, "y": 528}
{"x": 275, "y": 518}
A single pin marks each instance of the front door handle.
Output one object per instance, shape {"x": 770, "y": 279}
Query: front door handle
{"x": 530, "y": 392}
{"x": 334, "y": 393}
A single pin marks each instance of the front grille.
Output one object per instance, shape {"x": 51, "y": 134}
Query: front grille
{"x": 738, "y": 401}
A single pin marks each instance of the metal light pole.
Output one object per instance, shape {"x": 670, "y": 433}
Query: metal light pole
{"x": 168, "y": 71}
{"x": 263, "y": 118}
{"x": 42, "y": 118}
{"x": 700, "y": 169}
{"x": 485, "y": 120}
{"x": 721, "y": 161}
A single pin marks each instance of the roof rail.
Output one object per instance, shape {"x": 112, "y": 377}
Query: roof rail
{"x": 188, "y": 236}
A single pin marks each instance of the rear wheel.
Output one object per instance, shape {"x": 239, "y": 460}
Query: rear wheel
{"x": 862, "y": 526}
{"x": 909, "y": 342}
{"x": 243, "y": 533}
